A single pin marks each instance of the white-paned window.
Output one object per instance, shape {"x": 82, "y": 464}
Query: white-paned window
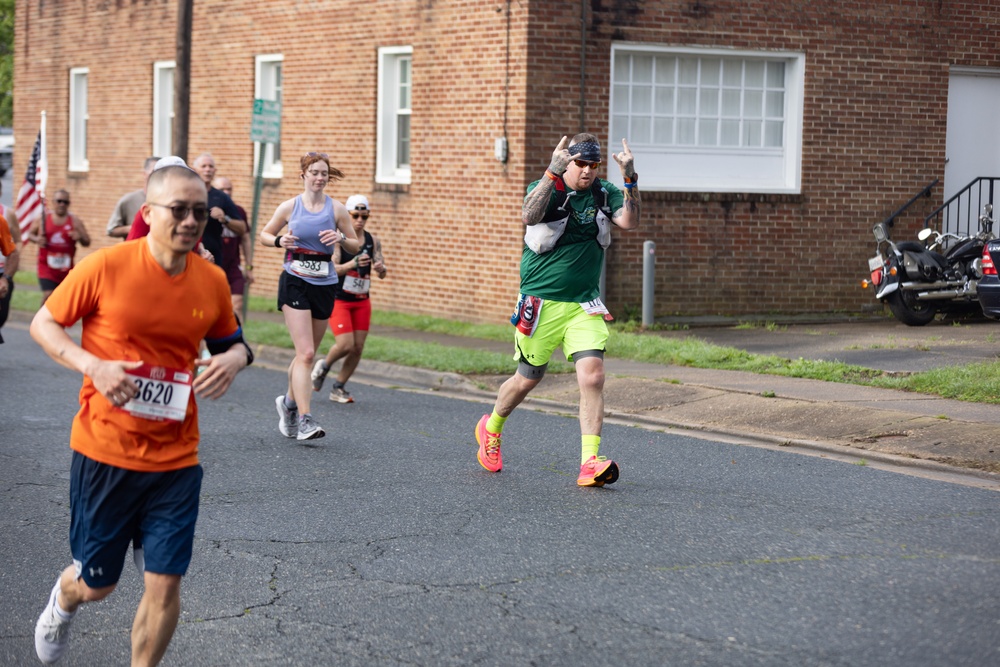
{"x": 267, "y": 86}
{"x": 163, "y": 108}
{"x": 78, "y": 118}
{"x": 395, "y": 85}
{"x": 708, "y": 120}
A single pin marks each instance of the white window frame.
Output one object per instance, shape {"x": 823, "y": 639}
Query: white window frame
{"x": 78, "y": 118}
{"x": 268, "y": 90}
{"x": 387, "y": 169}
{"x": 163, "y": 108}
{"x": 692, "y": 168}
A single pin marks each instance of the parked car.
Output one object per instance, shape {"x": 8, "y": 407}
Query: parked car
{"x": 6, "y": 150}
{"x": 989, "y": 284}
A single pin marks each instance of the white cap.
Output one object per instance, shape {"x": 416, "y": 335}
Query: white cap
{"x": 355, "y": 202}
{"x": 170, "y": 161}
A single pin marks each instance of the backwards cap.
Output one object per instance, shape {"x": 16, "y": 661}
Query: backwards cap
{"x": 356, "y": 203}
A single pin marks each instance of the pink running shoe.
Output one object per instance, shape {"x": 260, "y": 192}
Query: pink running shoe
{"x": 597, "y": 471}
{"x": 489, "y": 447}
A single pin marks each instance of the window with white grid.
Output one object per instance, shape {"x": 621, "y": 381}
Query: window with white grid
{"x": 79, "y": 118}
{"x": 163, "y": 108}
{"x": 708, "y": 120}
{"x": 268, "y": 86}
{"x": 395, "y": 87}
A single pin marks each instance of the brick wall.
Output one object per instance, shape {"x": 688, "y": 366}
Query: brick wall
{"x": 874, "y": 130}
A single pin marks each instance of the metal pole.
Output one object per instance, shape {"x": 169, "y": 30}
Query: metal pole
{"x": 648, "y": 280}
{"x": 182, "y": 78}
{"x": 254, "y": 212}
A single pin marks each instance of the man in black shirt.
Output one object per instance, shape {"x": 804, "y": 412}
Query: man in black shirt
{"x": 222, "y": 212}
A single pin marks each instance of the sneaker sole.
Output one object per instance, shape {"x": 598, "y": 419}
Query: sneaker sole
{"x": 318, "y": 433}
{"x": 46, "y": 652}
{"x": 281, "y": 418}
{"x": 479, "y": 453}
{"x": 317, "y": 379}
{"x": 609, "y": 476}
{"x": 338, "y": 399}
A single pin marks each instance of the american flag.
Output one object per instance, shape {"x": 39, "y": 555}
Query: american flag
{"x": 29, "y": 202}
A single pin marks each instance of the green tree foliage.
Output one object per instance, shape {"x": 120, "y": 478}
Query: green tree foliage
{"x": 6, "y": 62}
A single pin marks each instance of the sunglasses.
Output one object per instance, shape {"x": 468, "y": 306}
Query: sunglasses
{"x": 363, "y": 216}
{"x": 583, "y": 163}
{"x": 180, "y": 212}
{"x": 322, "y": 155}
{"x": 62, "y": 201}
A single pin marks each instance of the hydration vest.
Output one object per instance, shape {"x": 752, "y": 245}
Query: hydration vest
{"x": 544, "y": 236}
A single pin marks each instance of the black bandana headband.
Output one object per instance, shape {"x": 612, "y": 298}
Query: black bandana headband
{"x": 588, "y": 150}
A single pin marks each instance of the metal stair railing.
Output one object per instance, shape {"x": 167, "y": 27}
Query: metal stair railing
{"x": 960, "y": 214}
{"x": 926, "y": 192}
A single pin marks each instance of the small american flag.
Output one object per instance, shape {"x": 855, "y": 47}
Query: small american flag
{"x": 29, "y": 202}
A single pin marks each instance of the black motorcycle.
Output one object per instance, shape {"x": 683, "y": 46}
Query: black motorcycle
{"x": 940, "y": 273}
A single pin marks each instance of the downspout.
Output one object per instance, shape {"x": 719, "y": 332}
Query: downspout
{"x": 583, "y": 61}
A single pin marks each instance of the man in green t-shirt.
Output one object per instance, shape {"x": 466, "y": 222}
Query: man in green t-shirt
{"x": 567, "y": 216}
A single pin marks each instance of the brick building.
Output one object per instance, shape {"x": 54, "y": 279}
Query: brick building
{"x": 769, "y": 135}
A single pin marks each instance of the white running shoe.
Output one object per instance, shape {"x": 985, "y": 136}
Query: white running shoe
{"x": 52, "y": 630}
{"x": 288, "y": 420}
{"x": 308, "y": 429}
{"x": 318, "y": 375}
{"x": 340, "y": 395}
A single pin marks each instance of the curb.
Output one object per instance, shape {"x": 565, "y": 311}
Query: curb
{"x": 453, "y": 385}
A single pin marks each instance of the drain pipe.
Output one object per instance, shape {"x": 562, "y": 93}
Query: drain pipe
{"x": 583, "y": 61}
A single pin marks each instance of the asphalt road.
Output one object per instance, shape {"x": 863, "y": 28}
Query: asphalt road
{"x": 386, "y": 544}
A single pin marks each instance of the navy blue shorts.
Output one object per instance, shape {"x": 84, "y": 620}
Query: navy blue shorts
{"x": 110, "y": 506}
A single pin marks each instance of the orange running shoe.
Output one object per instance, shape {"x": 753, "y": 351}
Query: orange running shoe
{"x": 597, "y": 471}
{"x": 489, "y": 447}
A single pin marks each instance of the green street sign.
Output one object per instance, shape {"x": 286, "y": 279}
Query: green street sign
{"x": 265, "y": 125}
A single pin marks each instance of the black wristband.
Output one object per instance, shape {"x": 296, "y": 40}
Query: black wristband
{"x": 277, "y": 241}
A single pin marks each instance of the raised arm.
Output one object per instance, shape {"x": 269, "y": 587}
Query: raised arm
{"x": 538, "y": 199}
{"x": 627, "y": 217}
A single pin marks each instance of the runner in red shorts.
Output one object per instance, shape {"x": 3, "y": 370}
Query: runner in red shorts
{"x": 352, "y": 310}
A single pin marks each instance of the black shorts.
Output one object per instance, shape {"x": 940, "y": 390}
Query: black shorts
{"x": 296, "y": 293}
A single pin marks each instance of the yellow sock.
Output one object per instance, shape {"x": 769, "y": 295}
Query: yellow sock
{"x": 590, "y": 445}
{"x": 495, "y": 423}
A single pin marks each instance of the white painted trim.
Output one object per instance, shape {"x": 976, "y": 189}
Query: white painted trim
{"x": 385, "y": 140}
{"x": 158, "y": 68}
{"x": 272, "y": 169}
{"x": 77, "y": 162}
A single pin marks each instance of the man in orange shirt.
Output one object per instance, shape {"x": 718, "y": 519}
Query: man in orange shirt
{"x": 135, "y": 468}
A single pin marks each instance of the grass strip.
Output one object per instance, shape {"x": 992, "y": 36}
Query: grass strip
{"x": 977, "y": 382}
{"x": 419, "y": 354}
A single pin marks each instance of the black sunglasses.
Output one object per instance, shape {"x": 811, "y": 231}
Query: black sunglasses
{"x": 62, "y": 201}
{"x": 180, "y": 212}
{"x": 363, "y": 216}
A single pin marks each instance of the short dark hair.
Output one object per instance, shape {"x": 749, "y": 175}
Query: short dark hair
{"x": 585, "y": 136}
{"x": 158, "y": 177}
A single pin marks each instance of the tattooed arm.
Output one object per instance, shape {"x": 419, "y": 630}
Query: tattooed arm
{"x": 627, "y": 217}
{"x": 538, "y": 199}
